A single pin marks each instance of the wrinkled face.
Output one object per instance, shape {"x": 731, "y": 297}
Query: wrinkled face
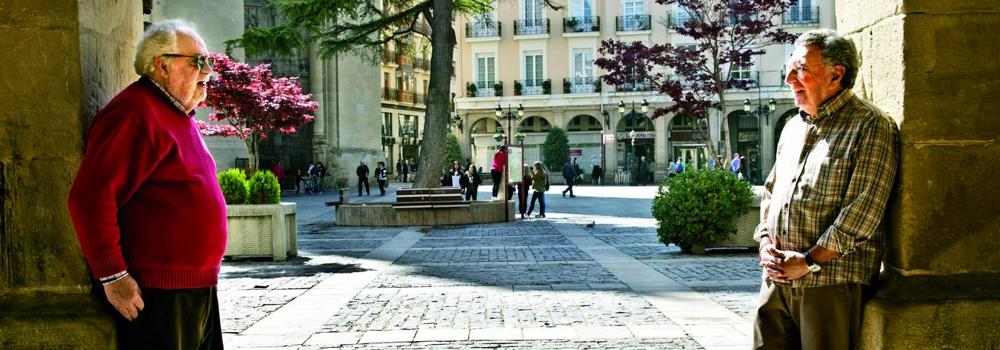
{"x": 180, "y": 75}
{"x": 812, "y": 81}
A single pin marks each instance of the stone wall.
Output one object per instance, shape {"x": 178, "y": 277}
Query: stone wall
{"x": 933, "y": 66}
{"x": 63, "y": 60}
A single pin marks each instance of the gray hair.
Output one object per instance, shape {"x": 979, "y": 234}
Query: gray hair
{"x": 159, "y": 38}
{"x": 836, "y": 50}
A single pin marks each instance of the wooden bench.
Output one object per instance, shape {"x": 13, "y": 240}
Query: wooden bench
{"x": 423, "y": 198}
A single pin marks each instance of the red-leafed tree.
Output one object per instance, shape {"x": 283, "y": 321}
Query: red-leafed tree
{"x": 250, "y": 103}
{"x": 726, "y": 34}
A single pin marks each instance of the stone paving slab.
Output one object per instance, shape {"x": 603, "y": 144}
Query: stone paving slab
{"x": 743, "y": 267}
{"x": 394, "y": 309}
{"x": 615, "y": 344}
{"x": 508, "y": 241}
{"x": 503, "y": 254}
{"x": 340, "y": 243}
{"x": 562, "y": 276}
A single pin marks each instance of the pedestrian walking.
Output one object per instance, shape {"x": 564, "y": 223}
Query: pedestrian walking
{"x": 406, "y": 171}
{"x": 362, "y": 172}
{"x": 643, "y": 170}
{"x": 818, "y": 254}
{"x": 399, "y": 170}
{"x": 540, "y": 183}
{"x": 569, "y": 174}
{"x": 146, "y": 203}
{"x": 279, "y": 172}
{"x": 381, "y": 177}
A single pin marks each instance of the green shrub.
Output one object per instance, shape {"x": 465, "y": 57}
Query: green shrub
{"x": 340, "y": 182}
{"x": 234, "y": 186}
{"x": 264, "y": 188}
{"x": 699, "y": 207}
{"x": 452, "y": 152}
{"x": 555, "y": 150}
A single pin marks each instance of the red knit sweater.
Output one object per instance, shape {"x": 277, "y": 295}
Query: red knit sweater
{"x": 146, "y": 197}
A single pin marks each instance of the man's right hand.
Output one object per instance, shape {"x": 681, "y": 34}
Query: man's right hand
{"x": 125, "y": 296}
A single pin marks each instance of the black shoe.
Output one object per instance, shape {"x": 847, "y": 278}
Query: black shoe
{"x": 564, "y": 194}
{"x": 572, "y": 196}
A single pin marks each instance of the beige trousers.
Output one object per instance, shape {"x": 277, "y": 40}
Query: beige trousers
{"x": 808, "y": 318}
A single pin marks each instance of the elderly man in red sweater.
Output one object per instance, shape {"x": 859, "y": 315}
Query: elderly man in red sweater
{"x": 146, "y": 204}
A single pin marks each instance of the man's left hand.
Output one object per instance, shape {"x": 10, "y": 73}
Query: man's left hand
{"x": 791, "y": 268}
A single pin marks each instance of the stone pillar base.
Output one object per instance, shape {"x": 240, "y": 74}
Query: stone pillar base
{"x": 54, "y": 321}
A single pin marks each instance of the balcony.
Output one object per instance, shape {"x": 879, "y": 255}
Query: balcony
{"x": 760, "y": 79}
{"x": 484, "y": 89}
{"x": 796, "y": 16}
{"x": 483, "y": 29}
{"x": 632, "y": 23}
{"x": 591, "y": 24}
{"x": 678, "y": 20}
{"x": 403, "y": 96}
{"x": 422, "y": 63}
{"x": 581, "y": 85}
{"x": 531, "y": 26}
{"x": 529, "y": 87}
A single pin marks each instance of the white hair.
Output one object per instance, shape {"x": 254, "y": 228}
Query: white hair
{"x": 160, "y": 38}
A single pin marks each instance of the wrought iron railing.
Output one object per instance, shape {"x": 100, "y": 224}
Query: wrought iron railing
{"x": 581, "y": 24}
{"x": 532, "y": 87}
{"x": 633, "y": 87}
{"x": 489, "y": 88}
{"x": 678, "y": 19}
{"x": 531, "y": 26}
{"x": 483, "y": 29}
{"x": 632, "y": 23}
{"x": 581, "y": 85}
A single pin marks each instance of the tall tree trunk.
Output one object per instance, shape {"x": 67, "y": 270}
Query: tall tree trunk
{"x": 725, "y": 134}
{"x": 436, "y": 119}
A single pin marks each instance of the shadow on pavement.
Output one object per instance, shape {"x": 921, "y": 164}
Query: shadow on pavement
{"x": 293, "y": 267}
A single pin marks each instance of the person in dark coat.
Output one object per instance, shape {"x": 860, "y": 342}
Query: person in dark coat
{"x": 381, "y": 177}
{"x": 362, "y": 172}
{"x": 475, "y": 179}
{"x": 522, "y": 190}
{"x": 569, "y": 173}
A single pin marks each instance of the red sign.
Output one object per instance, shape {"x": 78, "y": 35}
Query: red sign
{"x": 575, "y": 153}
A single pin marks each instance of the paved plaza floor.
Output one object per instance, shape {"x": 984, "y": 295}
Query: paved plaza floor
{"x": 551, "y": 283}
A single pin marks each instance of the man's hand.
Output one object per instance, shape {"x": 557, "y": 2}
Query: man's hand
{"x": 791, "y": 267}
{"x": 124, "y": 295}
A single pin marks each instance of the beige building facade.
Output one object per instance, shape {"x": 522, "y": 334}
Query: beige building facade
{"x": 524, "y": 54}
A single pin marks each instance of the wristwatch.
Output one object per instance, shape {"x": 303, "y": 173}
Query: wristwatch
{"x": 813, "y": 266}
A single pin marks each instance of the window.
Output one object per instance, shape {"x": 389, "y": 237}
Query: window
{"x": 744, "y": 71}
{"x": 533, "y": 72}
{"x": 583, "y": 71}
{"x": 386, "y": 124}
{"x": 633, "y": 8}
{"x": 800, "y": 12}
{"x": 584, "y": 123}
{"x": 386, "y": 80}
{"x": 535, "y": 124}
{"x": 485, "y": 74}
{"x": 533, "y": 12}
{"x": 582, "y": 8}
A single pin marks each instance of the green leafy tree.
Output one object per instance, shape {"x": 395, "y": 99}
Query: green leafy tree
{"x": 699, "y": 207}
{"x": 364, "y": 27}
{"x": 452, "y": 152}
{"x": 555, "y": 150}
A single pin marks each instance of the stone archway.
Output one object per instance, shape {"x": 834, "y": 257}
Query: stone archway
{"x": 779, "y": 125}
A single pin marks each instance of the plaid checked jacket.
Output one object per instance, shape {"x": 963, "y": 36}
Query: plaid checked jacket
{"x": 831, "y": 180}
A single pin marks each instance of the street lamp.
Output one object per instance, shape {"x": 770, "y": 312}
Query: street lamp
{"x": 633, "y": 117}
{"x": 762, "y": 112}
{"x": 510, "y": 117}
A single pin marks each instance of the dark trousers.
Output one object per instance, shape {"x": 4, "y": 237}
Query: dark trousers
{"x": 471, "y": 192}
{"x": 808, "y": 318}
{"x": 172, "y": 319}
{"x": 363, "y": 180}
{"x": 405, "y": 175}
{"x": 381, "y": 186}
{"x": 497, "y": 179}
{"x": 569, "y": 184}
{"x": 540, "y": 196}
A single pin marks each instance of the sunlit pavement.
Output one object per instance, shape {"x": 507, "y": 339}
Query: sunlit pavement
{"x": 551, "y": 283}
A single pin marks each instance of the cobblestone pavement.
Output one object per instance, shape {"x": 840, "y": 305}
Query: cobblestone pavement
{"x": 519, "y": 285}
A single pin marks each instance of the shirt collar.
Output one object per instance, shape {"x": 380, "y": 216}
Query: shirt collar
{"x": 173, "y": 100}
{"x": 831, "y": 106}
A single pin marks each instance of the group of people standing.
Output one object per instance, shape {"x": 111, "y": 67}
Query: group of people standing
{"x": 468, "y": 179}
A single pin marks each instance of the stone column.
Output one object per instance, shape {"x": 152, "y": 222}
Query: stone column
{"x": 934, "y": 67}
{"x": 63, "y": 60}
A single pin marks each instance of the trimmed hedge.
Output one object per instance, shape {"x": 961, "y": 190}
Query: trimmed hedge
{"x": 699, "y": 207}
{"x": 264, "y": 188}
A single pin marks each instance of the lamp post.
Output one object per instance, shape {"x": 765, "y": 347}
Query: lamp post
{"x": 510, "y": 117}
{"x": 762, "y": 112}
{"x": 633, "y": 117}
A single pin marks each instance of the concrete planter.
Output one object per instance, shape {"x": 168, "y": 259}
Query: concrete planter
{"x": 743, "y": 238}
{"x": 385, "y": 215}
{"x": 261, "y": 230}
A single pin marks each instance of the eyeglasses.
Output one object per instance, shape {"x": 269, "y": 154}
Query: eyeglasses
{"x": 205, "y": 64}
{"x": 801, "y": 69}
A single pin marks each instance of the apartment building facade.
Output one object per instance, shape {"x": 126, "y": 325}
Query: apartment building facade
{"x": 525, "y": 54}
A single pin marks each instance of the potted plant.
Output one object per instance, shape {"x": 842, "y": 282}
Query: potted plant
{"x": 519, "y": 136}
{"x": 700, "y": 208}
{"x": 258, "y": 223}
{"x": 597, "y": 85}
{"x": 518, "y": 88}
{"x": 498, "y": 89}
{"x": 571, "y": 24}
{"x": 596, "y": 27}
{"x": 547, "y": 86}
{"x": 567, "y": 86}
{"x": 498, "y": 136}
{"x": 470, "y": 90}
{"x": 342, "y": 187}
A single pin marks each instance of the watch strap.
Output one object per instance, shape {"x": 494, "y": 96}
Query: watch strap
{"x": 809, "y": 259}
